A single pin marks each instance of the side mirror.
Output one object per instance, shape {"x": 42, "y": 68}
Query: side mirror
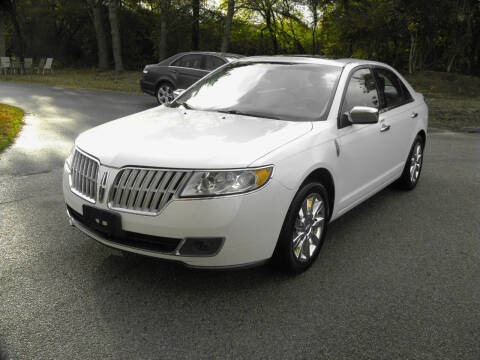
{"x": 363, "y": 115}
{"x": 177, "y": 92}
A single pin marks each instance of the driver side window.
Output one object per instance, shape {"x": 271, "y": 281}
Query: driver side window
{"x": 361, "y": 91}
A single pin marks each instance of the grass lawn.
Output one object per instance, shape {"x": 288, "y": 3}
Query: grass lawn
{"x": 10, "y": 124}
{"x": 91, "y": 78}
{"x": 453, "y": 99}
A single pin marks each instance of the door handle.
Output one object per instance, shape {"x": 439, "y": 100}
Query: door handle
{"x": 384, "y": 128}
{"x": 413, "y": 115}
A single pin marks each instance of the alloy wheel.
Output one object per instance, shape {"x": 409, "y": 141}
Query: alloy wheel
{"x": 164, "y": 94}
{"x": 416, "y": 163}
{"x": 309, "y": 226}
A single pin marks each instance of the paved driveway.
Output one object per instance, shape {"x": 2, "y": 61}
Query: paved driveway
{"x": 398, "y": 277}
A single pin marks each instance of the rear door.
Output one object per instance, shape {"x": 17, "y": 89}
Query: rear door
{"x": 188, "y": 69}
{"x": 396, "y": 111}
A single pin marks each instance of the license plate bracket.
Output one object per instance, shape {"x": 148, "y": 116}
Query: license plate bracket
{"x": 103, "y": 221}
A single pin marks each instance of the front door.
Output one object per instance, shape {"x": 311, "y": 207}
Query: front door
{"x": 366, "y": 156}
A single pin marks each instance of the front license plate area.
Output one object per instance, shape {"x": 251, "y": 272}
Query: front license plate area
{"x": 105, "y": 222}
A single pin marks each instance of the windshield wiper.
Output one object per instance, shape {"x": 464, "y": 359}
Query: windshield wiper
{"x": 237, "y": 112}
{"x": 186, "y": 106}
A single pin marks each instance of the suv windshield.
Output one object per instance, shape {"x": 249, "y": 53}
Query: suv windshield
{"x": 287, "y": 91}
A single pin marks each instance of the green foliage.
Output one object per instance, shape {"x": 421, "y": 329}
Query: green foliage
{"x": 411, "y": 35}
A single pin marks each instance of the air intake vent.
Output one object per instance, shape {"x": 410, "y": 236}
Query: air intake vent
{"x": 145, "y": 191}
{"x": 83, "y": 176}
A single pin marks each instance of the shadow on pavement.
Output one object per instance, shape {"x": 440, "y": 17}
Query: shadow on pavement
{"x": 54, "y": 118}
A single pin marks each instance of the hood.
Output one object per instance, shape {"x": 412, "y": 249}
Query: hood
{"x": 177, "y": 138}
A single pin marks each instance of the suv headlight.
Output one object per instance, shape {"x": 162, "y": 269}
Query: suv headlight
{"x": 68, "y": 160}
{"x": 226, "y": 182}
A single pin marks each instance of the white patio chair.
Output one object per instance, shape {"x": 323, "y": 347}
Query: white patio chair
{"x": 27, "y": 64}
{"x": 40, "y": 66}
{"x": 48, "y": 65}
{"x": 5, "y": 64}
{"x": 15, "y": 65}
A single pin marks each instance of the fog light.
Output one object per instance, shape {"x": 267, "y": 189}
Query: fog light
{"x": 201, "y": 246}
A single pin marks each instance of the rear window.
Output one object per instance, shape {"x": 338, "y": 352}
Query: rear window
{"x": 193, "y": 61}
{"x": 212, "y": 62}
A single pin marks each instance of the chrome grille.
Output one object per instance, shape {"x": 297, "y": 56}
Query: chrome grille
{"x": 83, "y": 176}
{"x": 145, "y": 190}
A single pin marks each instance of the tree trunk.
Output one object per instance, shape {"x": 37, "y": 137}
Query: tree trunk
{"x": 101, "y": 36}
{"x": 450, "y": 63}
{"x": 261, "y": 42}
{"x": 196, "y": 24}
{"x": 475, "y": 54}
{"x": 271, "y": 31}
{"x": 395, "y": 51}
{"x": 412, "y": 54}
{"x": 115, "y": 30}
{"x": 314, "y": 8}
{"x": 296, "y": 41}
{"x": 162, "y": 45}
{"x": 17, "y": 33}
{"x": 228, "y": 26}
{"x": 314, "y": 50}
{"x": 2, "y": 33}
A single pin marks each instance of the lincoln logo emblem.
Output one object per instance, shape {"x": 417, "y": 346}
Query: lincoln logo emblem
{"x": 103, "y": 185}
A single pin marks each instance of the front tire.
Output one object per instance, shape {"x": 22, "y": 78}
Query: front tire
{"x": 304, "y": 229}
{"x": 413, "y": 166}
{"x": 164, "y": 93}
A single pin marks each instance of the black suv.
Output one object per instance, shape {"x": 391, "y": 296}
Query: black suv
{"x": 179, "y": 72}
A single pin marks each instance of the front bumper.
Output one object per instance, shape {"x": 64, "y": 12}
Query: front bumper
{"x": 147, "y": 87}
{"x": 249, "y": 224}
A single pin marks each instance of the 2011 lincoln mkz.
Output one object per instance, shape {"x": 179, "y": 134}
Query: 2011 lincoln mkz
{"x": 250, "y": 163}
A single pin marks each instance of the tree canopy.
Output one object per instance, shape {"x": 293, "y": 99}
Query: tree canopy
{"x": 409, "y": 34}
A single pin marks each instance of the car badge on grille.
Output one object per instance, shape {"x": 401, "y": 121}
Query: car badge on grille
{"x": 102, "y": 187}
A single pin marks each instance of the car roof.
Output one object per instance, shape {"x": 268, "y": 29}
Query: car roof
{"x": 292, "y": 59}
{"x": 301, "y": 58}
{"x": 212, "y": 53}
{"x": 310, "y": 59}
{"x": 359, "y": 61}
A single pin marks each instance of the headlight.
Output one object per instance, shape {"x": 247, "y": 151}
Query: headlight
{"x": 226, "y": 182}
{"x": 69, "y": 159}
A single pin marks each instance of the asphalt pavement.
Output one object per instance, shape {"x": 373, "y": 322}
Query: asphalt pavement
{"x": 398, "y": 276}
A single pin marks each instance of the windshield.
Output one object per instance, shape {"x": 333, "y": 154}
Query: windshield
{"x": 286, "y": 91}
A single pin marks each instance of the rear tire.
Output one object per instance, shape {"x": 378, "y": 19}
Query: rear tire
{"x": 164, "y": 93}
{"x": 413, "y": 166}
{"x": 303, "y": 231}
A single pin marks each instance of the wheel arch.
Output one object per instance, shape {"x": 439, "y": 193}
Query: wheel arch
{"x": 164, "y": 81}
{"x": 423, "y": 136}
{"x": 325, "y": 177}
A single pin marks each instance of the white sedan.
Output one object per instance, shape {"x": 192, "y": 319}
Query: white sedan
{"x": 250, "y": 163}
